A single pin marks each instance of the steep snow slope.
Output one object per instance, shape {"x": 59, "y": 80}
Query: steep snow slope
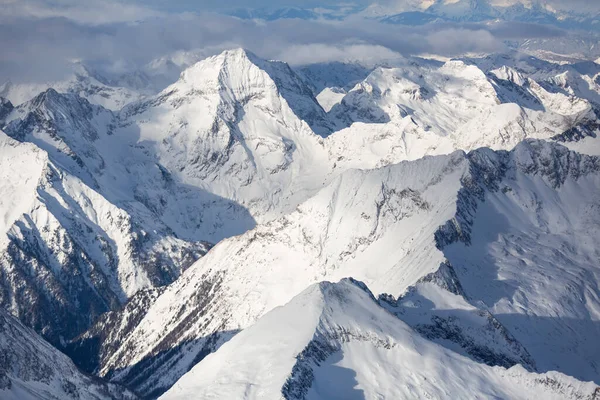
{"x": 29, "y": 162}
{"x": 85, "y": 140}
{"x": 31, "y": 369}
{"x": 64, "y": 125}
{"x": 68, "y": 253}
{"x": 333, "y": 341}
{"x": 389, "y": 227}
{"x": 234, "y": 125}
{"x": 438, "y": 308}
{"x": 351, "y": 222}
{"x": 523, "y": 265}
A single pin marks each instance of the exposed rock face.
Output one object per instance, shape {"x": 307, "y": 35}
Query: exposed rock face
{"x": 5, "y": 109}
{"x": 32, "y": 369}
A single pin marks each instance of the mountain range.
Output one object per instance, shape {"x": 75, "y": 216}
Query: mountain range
{"x": 568, "y": 15}
{"x": 183, "y": 241}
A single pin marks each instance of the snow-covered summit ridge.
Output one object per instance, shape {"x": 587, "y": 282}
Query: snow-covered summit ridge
{"x": 337, "y": 332}
{"x": 237, "y": 127}
{"x": 238, "y": 76}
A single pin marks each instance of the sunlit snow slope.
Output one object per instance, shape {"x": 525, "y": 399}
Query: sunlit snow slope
{"x": 394, "y": 228}
{"x": 333, "y": 341}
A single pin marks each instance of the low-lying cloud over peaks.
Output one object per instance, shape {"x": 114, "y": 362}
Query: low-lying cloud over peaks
{"x": 41, "y": 39}
{"x": 93, "y": 12}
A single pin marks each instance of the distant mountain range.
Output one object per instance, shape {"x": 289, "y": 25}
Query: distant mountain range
{"x": 420, "y": 12}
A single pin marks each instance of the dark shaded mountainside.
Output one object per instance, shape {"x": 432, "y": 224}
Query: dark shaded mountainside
{"x": 30, "y": 368}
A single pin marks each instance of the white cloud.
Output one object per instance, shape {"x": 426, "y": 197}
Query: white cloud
{"x": 39, "y": 43}
{"x": 322, "y": 53}
{"x": 94, "y": 12}
{"x": 463, "y": 41}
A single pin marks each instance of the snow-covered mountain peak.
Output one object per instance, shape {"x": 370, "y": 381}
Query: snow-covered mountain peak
{"x": 65, "y": 125}
{"x": 319, "y": 316}
{"x": 232, "y": 69}
{"x": 66, "y": 110}
{"x": 509, "y": 74}
{"x": 63, "y": 109}
{"x": 238, "y": 72}
{"x": 334, "y": 341}
{"x": 426, "y": 99}
{"x": 49, "y": 101}
{"x": 238, "y": 127}
{"x": 239, "y": 76}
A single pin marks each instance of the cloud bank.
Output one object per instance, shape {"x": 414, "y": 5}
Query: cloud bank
{"x": 41, "y": 38}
